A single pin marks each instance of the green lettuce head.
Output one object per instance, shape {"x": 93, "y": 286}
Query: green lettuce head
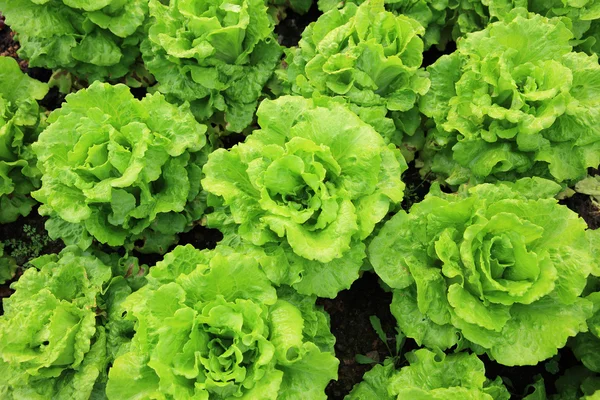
{"x": 514, "y": 100}
{"x": 309, "y": 187}
{"x": 55, "y": 339}
{"x": 430, "y": 376}
{"x": 117, "y": 169}
{"x": 498, "y": 268}
{"x": 20, "y": 124}
{"x": 95, "y": 40}
{"x": 210, "y": 325}
{"x": 216, "y": 54}
{"x": 369, "y": 57}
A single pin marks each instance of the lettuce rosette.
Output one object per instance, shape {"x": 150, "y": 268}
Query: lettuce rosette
{"x": 210, "y": 325}
{"x": 120, "y": 170}
{"x": 514, "y": 100}
{"x": 20, "y": 123}
{"x": 95, "y": 40}
{"x": 216, "y": 54}
{"x": 55, "y": 338}
{"x": 497, "y": 268}
{"x": 369, "y": 57}
{"x": 308, "y": 188}
{"x": 430, "y": 376}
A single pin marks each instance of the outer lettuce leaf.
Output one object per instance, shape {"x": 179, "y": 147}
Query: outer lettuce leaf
{"x": 118, "y": 170}
{"x": 210, "y": 325}
{"x": 309, "y": 188}
{"x": 368, "y": 57}
{"x": 96, "y": 40}
{"x": 8, "y": 267}
{"x": 586, "y": 346}
{"x": 430, "y": 376}
{"x": 20, "y": 124}
{"x": 503, "y": 265}
{"x": 216, "y": 54}
{"x": 55, "y": 339}
{"x": 514, "y": 100}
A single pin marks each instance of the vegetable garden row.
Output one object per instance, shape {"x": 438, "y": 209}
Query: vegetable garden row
{"x": 234, "y": 212}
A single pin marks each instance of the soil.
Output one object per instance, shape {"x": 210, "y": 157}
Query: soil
{"x": 351, "y": 310}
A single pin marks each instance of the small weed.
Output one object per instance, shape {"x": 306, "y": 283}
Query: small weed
{"x": 29, "y": 246}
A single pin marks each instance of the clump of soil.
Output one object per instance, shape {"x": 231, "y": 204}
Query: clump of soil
{"x": 350, "y": 312}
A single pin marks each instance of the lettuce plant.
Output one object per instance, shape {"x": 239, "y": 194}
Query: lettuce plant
{"x": 514, "y": 100}
{"x": 20, "y": 124}
{"x": 92, "y": 39}
{"x": 430, "y": 376}
{"x": 118, "y": 170}
{"x": 498, "y": 268}
{"x": 309, "y": 187}
{"x": 216, "y": 54}
{"x": 55, "y": 342}
{"x": 369, "y": 57}
{"x": 210, "y": 325}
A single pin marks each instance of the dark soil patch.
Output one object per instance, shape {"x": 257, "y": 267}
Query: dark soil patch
{"x": 350, "y": 312}
{"x": 289, "y": 30}
{"x": 583, "y": 205}
{"x": 416, "y": 186}
{"x": 433, "y": 53}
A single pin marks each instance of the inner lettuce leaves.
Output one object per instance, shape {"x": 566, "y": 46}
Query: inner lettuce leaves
{"x": 514, "y": 100}
{"x": 371, "y": 59}
{"x": 430, "y": 376}
{"x": 94, "y": 40}
{"x": 120, "y": 170}
{"x": 21, "y": 121}
{"x": 309, "y": 188}
{"x": 210, "y": 325}
{"x": 497, "y": 268}
{"x": 63, "y": 325}
{"x": 216, "y": 54}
